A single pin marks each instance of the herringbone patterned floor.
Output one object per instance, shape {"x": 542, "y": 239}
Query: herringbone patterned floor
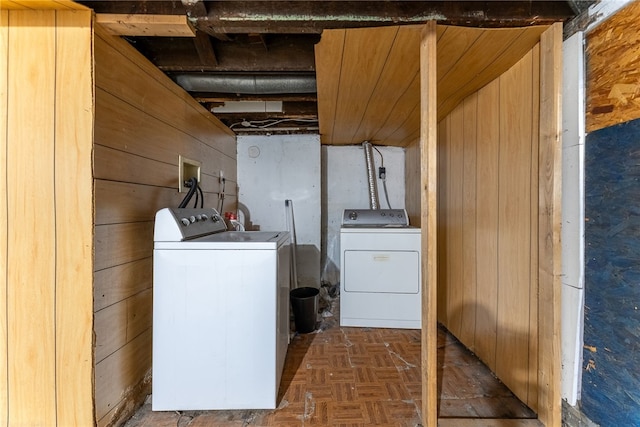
{"x": 362, "y": 377}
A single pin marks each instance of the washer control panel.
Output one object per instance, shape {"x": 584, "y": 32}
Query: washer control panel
{"x": 375, "y": 218}
{"x": 178, "y": 224}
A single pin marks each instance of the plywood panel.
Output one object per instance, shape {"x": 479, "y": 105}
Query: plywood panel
{"x": 4, "y": 244}
{"x": 31, "y": 288}
{"x": 74, "y": 239}
{"x": 488, "y": 148}
{"x": 118, "y": 283}
{"x": 613, "y": 58}
{"x": 468, "y": 226}
{"x": 514, "y": 249}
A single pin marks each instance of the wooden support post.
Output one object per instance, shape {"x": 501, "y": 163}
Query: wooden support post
{"x": 428, "y": 209}
{"x": 550, "y": 199}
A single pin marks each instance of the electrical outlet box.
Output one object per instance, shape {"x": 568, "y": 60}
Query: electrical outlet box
{"x": 187, "y": 169}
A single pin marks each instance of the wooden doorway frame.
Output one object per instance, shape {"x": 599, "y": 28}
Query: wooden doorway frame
{"x": 549, "y": 220}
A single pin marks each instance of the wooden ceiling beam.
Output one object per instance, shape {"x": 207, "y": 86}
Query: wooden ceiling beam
{"x": 145, "y": 25}
{"x": 205, "y": 49}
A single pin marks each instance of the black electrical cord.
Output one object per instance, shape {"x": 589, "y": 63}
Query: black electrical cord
{"x": 195, "y": 204}
{"x": 192, "y": 183}
{"x": 201, "y": 197}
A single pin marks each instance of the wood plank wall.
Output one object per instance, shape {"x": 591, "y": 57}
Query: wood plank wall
{"x": 143, "y": 122}
{"x": 46, "y": 127}
{"x": 487, "y": 224}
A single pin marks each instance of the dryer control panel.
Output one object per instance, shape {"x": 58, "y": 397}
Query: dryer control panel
{"x": 375, "y": 218}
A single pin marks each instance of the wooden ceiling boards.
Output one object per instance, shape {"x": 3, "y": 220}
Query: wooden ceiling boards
{"x": 369, "y": 78}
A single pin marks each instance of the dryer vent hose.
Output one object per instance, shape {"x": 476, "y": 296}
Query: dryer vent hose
{"x": 371, "y": 175}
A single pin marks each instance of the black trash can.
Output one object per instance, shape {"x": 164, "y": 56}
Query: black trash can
{"x": 304, "y": 302}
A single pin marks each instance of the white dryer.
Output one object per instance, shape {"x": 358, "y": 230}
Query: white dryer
{"x": 380, "y": 274}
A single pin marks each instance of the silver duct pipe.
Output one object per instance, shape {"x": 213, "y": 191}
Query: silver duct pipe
{"x": 371, "y": 175}
{"x": 247, "y": 84}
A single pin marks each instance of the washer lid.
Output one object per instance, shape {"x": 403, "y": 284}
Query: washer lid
{"x": 236, "y": 240}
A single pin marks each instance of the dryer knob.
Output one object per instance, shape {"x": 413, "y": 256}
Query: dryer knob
{"x": 353, "y": 215}
{"x": 192, "y": 219}
{"x": 185, "y": 221}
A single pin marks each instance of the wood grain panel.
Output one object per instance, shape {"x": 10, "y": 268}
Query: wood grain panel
{"x": 476, "y": 76}
{"x": 443, "y": 219}
{"x": 428, "y": 221}
{"x": 74, "y": 239}
{"x": 118, "y": 283}
{"x": 145, "y": 25}
{"x": 117, "y": 244}
{"x": 453, "y": 44}
{"x": 412, "y": 182}
{"x": 168, "y": 102}
{"x": 391, "y": 83}
{"x": 120, "y": 323}
{"x": 131, "y": 130}
{"x": 41, "y": 4}
{"x": 110, "y": 330}
{"x": 4, "y": 243}
{"x": 550, "y": 199}
{"x": 365, "y": 54}
{"x": 468, "y": 226}
{"x": 612, "y": 75}
{"x": 532, "y": 395}
{"x": 514, "y": 249}
{"x": 328, "y": 53}
{"x": 455, "y": 283}
{"x": 350, "y": 74}
{"x": 120, "y": 371}
{"x": 30, "y": 235}
{"x": 488, "y": 148}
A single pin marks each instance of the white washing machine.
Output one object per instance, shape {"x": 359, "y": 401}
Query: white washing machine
{"x": 220, "y": 313}
{"x": 380, "y": 270}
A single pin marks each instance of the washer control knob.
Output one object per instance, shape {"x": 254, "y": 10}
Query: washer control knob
{"x": 185, "y": 221}
{"x": 205, "y": 217}
{"x": 192, "y": 219}
{"x": 353, "y": 215}
{"x": 199, "y": 217}
{"x": 215, "y": 218}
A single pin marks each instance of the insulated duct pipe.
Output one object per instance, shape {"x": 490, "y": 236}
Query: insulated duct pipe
{"x": 247, "y": 84}
{"x": 371, "y": 175}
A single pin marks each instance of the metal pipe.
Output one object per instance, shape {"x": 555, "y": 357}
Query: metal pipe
{"x": 371, "y": 175}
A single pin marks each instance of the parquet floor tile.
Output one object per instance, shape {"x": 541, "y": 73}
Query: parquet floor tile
{"x": 362, "y": 377}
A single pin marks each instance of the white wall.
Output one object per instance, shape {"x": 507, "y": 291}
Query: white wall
{"x": 573, "y": 117}
{"x": 345, "y": 186}
{"x": 272, "y": 169}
